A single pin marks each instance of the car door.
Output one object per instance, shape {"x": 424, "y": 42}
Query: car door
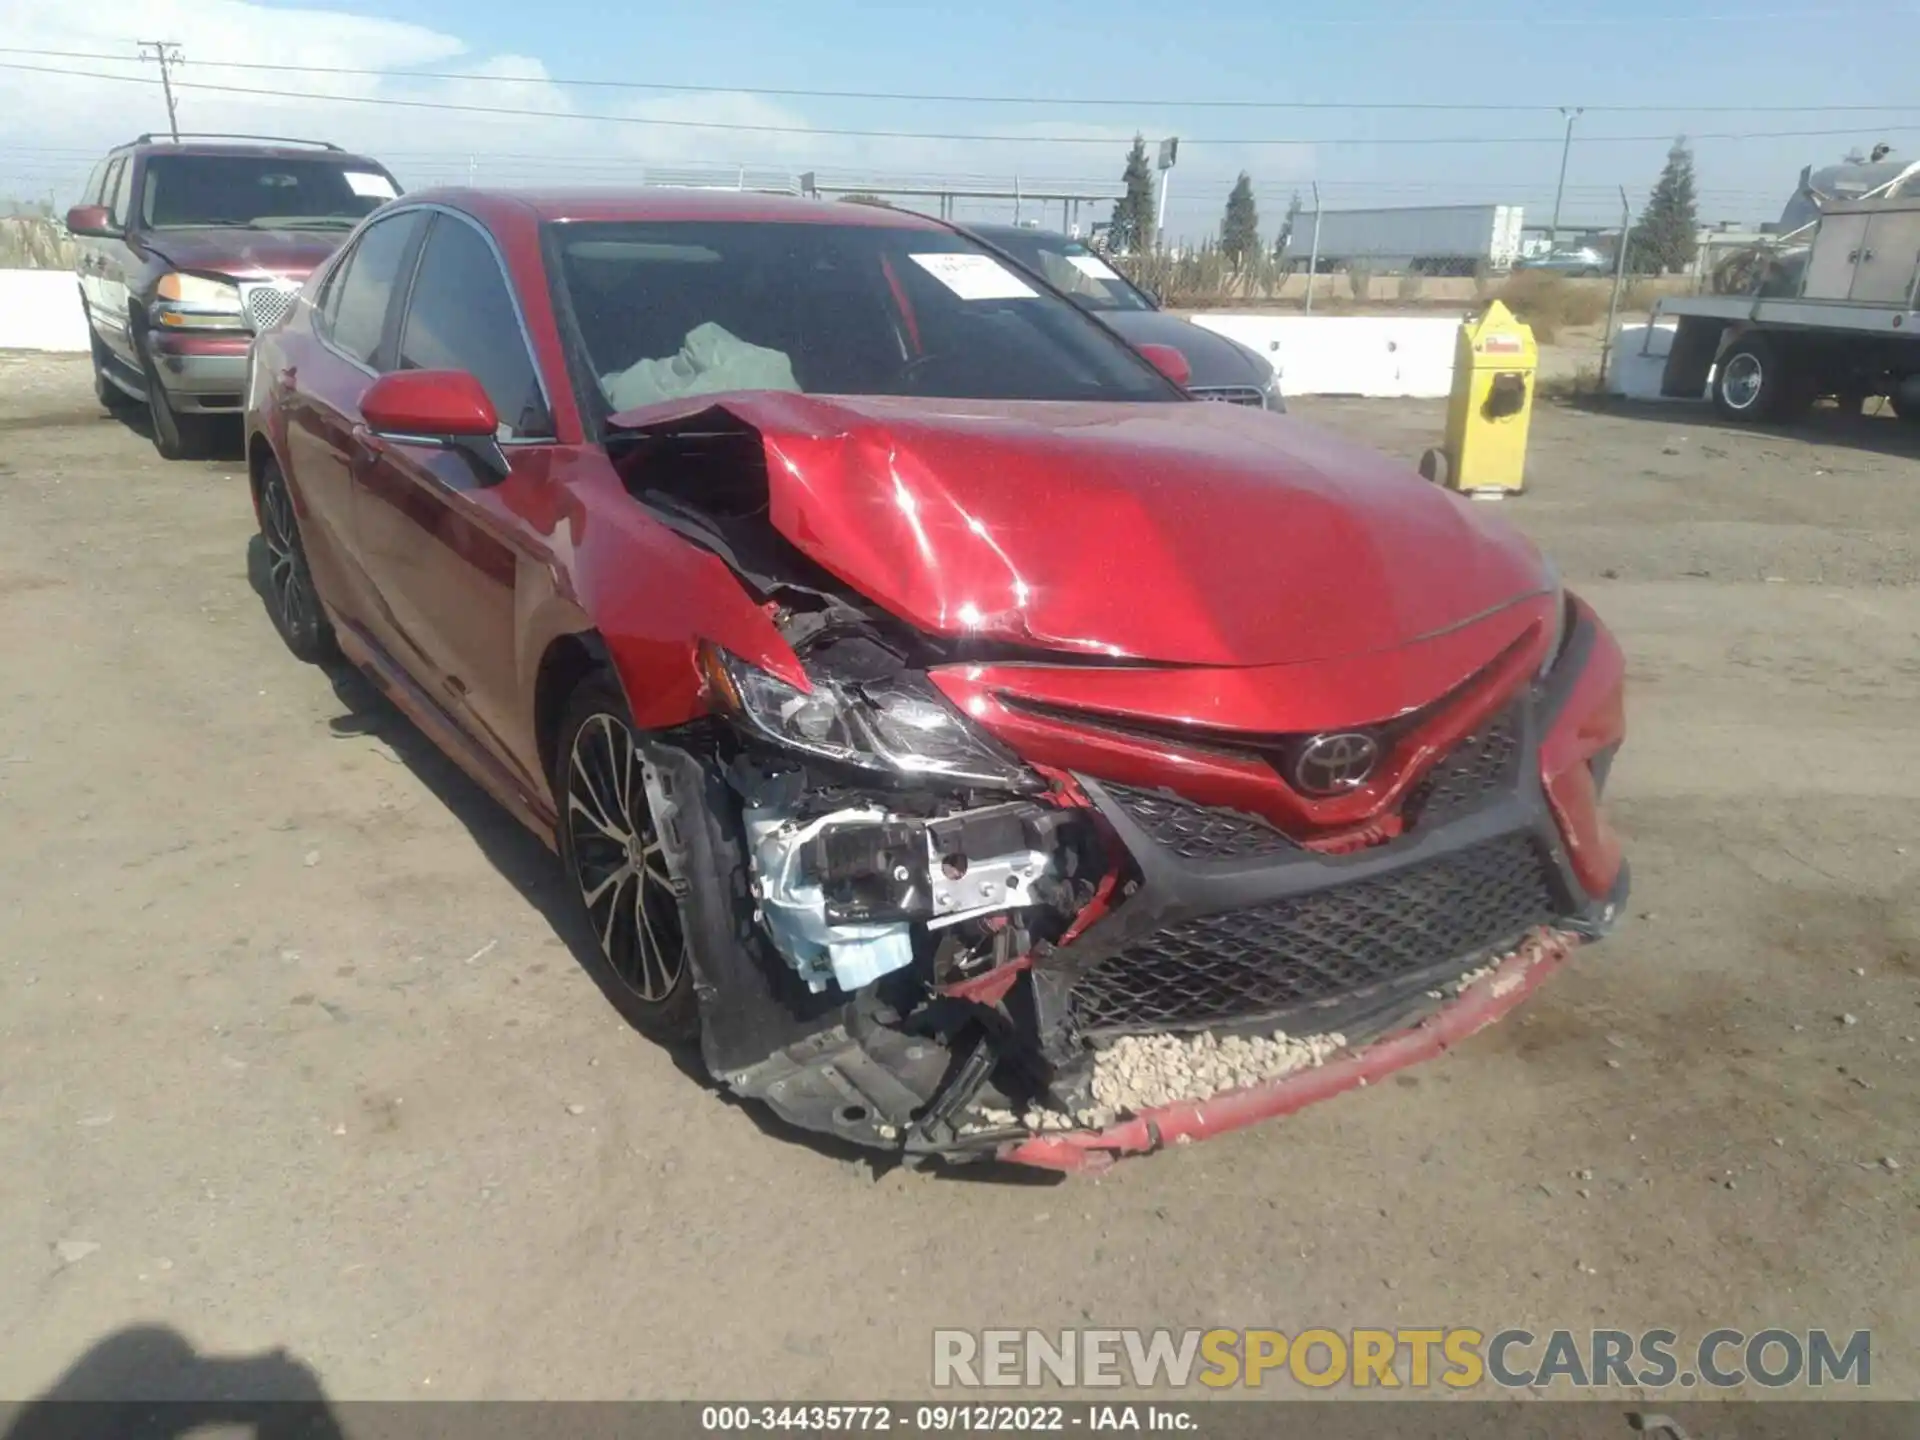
{"x": 318, "y": 386}
{"x": 440, "y": 536}
{"x": 102, "y": 269}
{"x": 119, "y": 262}
{"x": 90, "y": 251}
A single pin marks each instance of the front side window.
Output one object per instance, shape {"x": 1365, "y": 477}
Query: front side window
{"x": 362, "y": 288}
{"x": 260, "y": 192}
{"x": 111, "y": 181}
{"x": 676, "y": 308}
{"x": 120, "y": 197}
{"x": 461, "y": 317}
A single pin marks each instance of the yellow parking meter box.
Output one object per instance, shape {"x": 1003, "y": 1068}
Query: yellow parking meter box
{"x": 1491, "y": 407}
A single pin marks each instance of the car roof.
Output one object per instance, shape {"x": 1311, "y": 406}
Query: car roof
{"x": 315, "y": 150}
{"x": 1018, "y": 232}
{"x": 663, "y": 202}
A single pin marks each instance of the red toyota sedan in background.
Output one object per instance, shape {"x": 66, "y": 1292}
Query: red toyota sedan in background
{"x": 977, "y": 745}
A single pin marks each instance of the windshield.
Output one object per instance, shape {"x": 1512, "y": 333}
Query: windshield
{"x": 260, "y": 192}
{"x": 671, "y": 309}
{"x": 1072, "y": 268}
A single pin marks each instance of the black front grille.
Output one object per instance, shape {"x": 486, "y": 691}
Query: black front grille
{"x": 1230, "y": 394}
{"x": 1198, "y": 832}
{"x": 1249, "y": 964}
{"x": 1474, "y": 771}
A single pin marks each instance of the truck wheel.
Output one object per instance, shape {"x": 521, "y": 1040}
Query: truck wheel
{"x": 175, "y": 436}
{"x": 1755, "y": 382}
{"x": 1907, "y": 410}
{"x": 112, "y": 398}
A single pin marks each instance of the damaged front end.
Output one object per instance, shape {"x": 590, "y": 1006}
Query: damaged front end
{"x": 934, "y": 909}
{"x": 905, "y": 871}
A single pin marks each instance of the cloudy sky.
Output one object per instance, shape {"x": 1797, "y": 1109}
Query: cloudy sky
{"x": 712, "y": 73}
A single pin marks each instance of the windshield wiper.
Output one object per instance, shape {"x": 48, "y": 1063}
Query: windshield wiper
{"x": 304, "y": 222}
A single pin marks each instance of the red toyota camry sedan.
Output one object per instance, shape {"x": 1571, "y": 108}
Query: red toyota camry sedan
{"x": 974, "y": 743}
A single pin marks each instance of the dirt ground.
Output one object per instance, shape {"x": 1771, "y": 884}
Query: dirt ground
{"x": 292, "y": 1054}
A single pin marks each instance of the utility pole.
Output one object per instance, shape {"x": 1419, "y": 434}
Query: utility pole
{"x": 1169, "y": 152}
{"x": 1313, "y": 260}
{"x": 167, "y": 54}
{"x": 1566, "y": 148}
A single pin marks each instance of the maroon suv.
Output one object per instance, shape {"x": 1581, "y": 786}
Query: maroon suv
{"x": 188, "y": 246}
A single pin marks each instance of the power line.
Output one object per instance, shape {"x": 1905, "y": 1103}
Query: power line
{"x": 518, "y": 113}
{"x": 1135, "y": 103}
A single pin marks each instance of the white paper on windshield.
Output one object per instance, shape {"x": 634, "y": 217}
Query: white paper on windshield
{"x": 975, "y": 277}
{"x": 1092, "y": 265}
{"x": 369, "y": 186}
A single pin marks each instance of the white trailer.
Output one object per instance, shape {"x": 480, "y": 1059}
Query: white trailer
{"x": 1848, "y": 328}
{"x": 1426, "y": 239}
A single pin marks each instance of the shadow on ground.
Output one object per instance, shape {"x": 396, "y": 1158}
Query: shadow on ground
{"x": 148, "y": 1383}
{"x": 1876, "y": 431}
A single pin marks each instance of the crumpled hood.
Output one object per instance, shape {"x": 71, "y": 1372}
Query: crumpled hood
{"x": 245, "y": 254}
{"x": 1182, "y": 532}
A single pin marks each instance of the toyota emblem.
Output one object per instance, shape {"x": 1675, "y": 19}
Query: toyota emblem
{"x": 1334, "y": 763}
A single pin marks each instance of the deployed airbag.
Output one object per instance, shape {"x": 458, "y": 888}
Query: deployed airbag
{"x": 712, "y": 360}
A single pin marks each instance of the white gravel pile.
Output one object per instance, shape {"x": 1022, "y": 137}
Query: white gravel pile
{"x": 1141, "y": 1072}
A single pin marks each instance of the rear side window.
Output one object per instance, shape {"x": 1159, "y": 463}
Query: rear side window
{"x": 461, "y": 317}
{"x": 362, "y": 288}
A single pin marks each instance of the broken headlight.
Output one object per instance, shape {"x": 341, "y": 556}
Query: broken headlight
{"x": 901, "y": 725}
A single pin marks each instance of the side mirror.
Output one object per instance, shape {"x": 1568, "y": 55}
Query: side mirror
{"x": 90, "y": 220}
{"x": 1169, "y": 362}
{"x": 444, "y": 408}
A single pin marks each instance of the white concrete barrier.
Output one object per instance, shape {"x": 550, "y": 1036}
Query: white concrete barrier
{"x": 1393, "y": 356}
{"x": 1389, "y": 356}
{"x": 40, "y": 310}
{"x": 1635, "y": 375}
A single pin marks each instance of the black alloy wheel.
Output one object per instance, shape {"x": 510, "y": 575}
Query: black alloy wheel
{"x": 618, "y": 867}
{"x": 291, "y": 596}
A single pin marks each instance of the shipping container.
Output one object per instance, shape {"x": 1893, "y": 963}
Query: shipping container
{"x": 1427, "y": 239}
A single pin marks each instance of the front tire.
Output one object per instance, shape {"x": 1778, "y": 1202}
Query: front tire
{"x": 113, "y": 399}
{"x": 175, "y": 436}
{"x": 612, "y": 852}
{"x": 292, "y": 598}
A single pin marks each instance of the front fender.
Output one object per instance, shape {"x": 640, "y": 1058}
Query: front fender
{"x": 653, "y": 596}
